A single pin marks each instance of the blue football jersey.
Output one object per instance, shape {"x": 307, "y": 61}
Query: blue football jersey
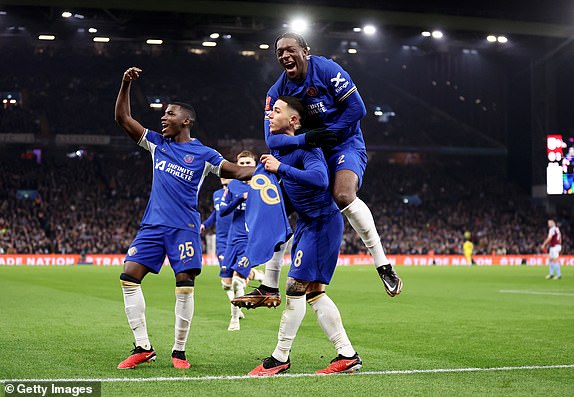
{"x": 306, "y": 182}
{"x": 178, "y": 173}
{"x": 323, "y": 92}
{"x": 238, "y": 230}
{"x": 222, "y": 223}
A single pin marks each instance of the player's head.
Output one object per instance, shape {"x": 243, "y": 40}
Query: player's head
{"x": 287, "y": 115}
{"x": 246, "y": 159}
{"x": 292, "y": 52}
{"x": 551, "y": 223}
{"x": 178, "y": 117}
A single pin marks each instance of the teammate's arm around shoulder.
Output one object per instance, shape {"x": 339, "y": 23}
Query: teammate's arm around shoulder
{"x": 123, "y": 114}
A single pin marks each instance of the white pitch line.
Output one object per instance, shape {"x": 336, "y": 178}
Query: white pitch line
{"x": 517, "y": 291}
{"x": 240, "y": 377}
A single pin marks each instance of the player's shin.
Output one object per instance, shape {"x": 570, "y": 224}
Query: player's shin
{"x": 290, "y": 322}
{"x": 273, "y": 268}
{"x": 134, "y": 304}
{"x": 330, "y": 320}
{"x": 361, "y": 219}
{"x": 184, "y": 306}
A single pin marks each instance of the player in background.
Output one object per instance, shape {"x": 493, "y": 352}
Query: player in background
{"x": 554, "y": 243}
{"x": 171, "y": 222}
{"x": 222, "y": 223}
{"x": 333, "y": 103}
{"x": 235, "y": 270}
{"x": 316, "y": 243}
{"x": 467, "y": 248}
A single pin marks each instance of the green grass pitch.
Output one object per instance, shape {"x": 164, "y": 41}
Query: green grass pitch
{"x": 69, "y": 323}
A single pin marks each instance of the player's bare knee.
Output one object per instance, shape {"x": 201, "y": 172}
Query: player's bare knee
{"x": 344, "y": 198}
{"x": 226, "y": 285}
{"x": 296, "y": 287}
{"x": 188, "y": 275}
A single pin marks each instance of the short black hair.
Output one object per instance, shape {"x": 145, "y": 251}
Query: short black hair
{"x": 187, "y": 107}
{"x": 292, "y": 35}
{"x": 295, "y": 104}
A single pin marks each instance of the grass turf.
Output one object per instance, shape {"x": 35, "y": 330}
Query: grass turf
{"x": 68, "y": 322}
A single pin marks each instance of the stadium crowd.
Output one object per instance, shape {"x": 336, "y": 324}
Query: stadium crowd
{"x": 94, "y": 204}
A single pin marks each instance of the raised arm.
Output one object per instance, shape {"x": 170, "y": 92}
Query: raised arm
{"x": 123, "y": 114}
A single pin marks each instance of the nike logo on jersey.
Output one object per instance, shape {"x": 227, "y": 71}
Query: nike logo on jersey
{"x": 337, "y": 79}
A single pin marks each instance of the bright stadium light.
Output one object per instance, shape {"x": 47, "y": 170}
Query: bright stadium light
{"x": 154, "y": 41}
{"x": 352, "y": 50}
{"x": 299, "y": 25}
{"x": 369, "y": 29}
{"x": 66, "y": 14}
{"x": 209, "y": 44}
{"x": 93, "y": 30}
{"x": 214, "y": 36}
{"x": 357, "y": 30}
{"x": 426, "y": 33}
{"x": 101, "y": 39}
{"x": 48, "y": 37}
{"x": 502, "y": 39}
{"x": 491, "y": 38}
{"x": 264, "y": 46}
{"x": 437, "y": 34}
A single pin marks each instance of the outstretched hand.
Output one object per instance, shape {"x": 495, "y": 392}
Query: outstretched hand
{"x": 132, "y": 73}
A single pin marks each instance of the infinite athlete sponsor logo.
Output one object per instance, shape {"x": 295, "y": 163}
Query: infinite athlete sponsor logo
{"x": 316, "y": 108}
{"x": 174, "y": 169}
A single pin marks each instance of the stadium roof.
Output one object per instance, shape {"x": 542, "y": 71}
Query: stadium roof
{"x": 192, "y": 20}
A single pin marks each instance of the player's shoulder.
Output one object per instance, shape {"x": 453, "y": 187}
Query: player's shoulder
{"x": 153, "y": 136}
{"x": 324, "y": 63}
{"x": 204, "y": 149}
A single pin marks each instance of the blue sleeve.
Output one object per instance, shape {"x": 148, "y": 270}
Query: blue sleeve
{"x": 353, "y": 111}
{"x": 210, "y": 220}
{"x": 230, "y": 206}
{"x": 346, "y": 95}
{"x": 314, "y": 173}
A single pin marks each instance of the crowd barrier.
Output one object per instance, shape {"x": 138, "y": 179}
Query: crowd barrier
{"x": 344, "y": 260}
